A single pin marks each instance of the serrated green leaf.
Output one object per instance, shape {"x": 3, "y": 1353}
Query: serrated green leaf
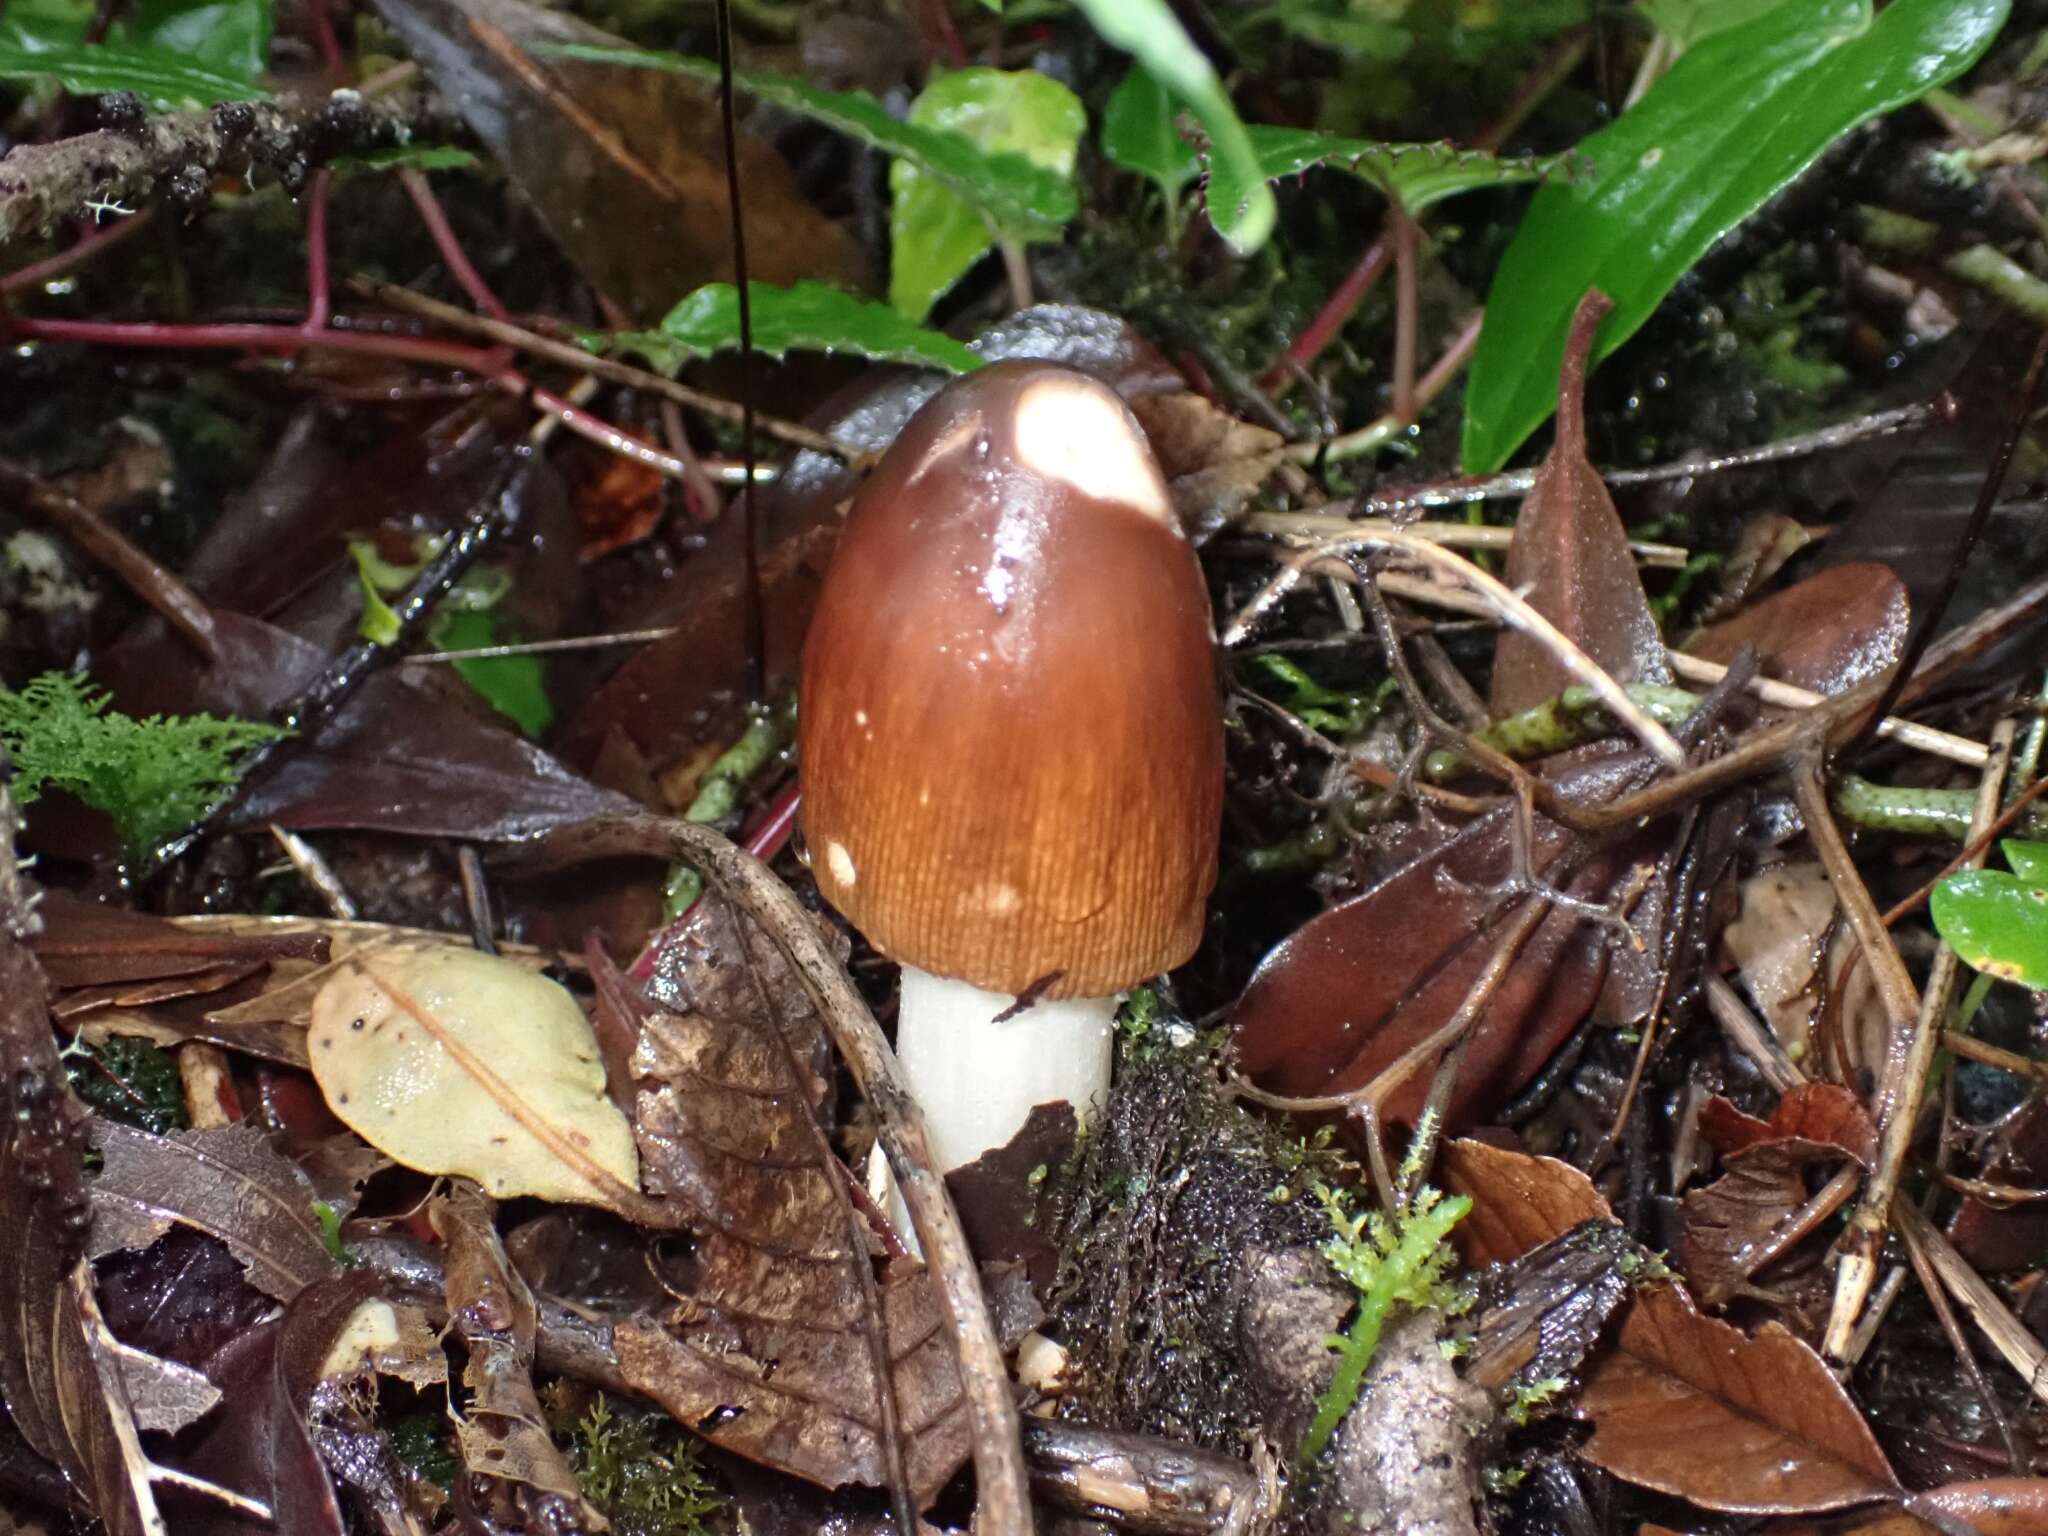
{"x": 1138, "y": 134}
{"x": 1415, "y": 175}
{"x": 1019, "y": 198}
{"x": 171, "y": 52}
{"x": 2029, "y": 860}
{"x": 1241, "y": 205}
{"x": 805, "y": 317}
{"x": 935, "y": 234}
{"x": 1996, "y": 923}
{"x": 1737, "y": 117}
{"x": 94, "y": 68}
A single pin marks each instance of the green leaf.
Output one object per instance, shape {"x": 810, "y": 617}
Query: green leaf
{"x": 1737, "y": 117}
{"x": 1995, "y": 922}
{"x": 379, "y": 624}
{"x": 2029, "y": 860}
{"x": 805, "y": 317}
{"x": 1138, "y": 134}
{"x": 1241, "y": 205}
{"x": 171, "y": 52}
{"x": 935, "y": 234}
{"x": 1685, "y": 22}
{"x": 1019, "y": 198}
{"x": 1415, "y": 175}
{"x": 511, "y": 685}
{"x": 93, "y": 68}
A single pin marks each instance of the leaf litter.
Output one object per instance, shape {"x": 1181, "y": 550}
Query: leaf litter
{"x": 1622, "y": 964}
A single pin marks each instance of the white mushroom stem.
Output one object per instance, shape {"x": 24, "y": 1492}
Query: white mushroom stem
{"x": 977, "y": 1076}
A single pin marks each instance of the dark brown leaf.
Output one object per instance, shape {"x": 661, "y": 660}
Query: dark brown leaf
{"x": 227, "y": 1183}
{"x": 2002, "y": 1237}
{"x": 1570, "y": 558}
{"x": 1827, "y": 633}
{"x": 783, "y": 1340}
{"x": 625, "y": 166}
{"x": 1683, "y": 1403}
{"x": 89, "y": 944}
{"x": 501, "y": 1432}
{"x": 183, "y": 1297}
{"x": 260, "y": 1444}
{"x": 1352, "y": 989}
{"x": 1541, "y": 1314}
{"x": 1815, "y": 1112}
{"x": 1995, "y": 1506}
{"x": 998, "y": 1193}
{"x": 1730, "y": 1222}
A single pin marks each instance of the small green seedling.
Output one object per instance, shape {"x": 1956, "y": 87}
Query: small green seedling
{"x": 1997, "y": 921}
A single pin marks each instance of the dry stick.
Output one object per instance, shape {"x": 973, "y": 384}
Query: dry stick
{"x": 1749, "y": 1035}
{"x": 2006, "y": 1333}
{"x": 1517, "y": 483}
{"x": 998, "y": 1458}
{"x": 1957, "y": 1043}
{"x": 1365, "y": 439}
{"x": 1906, "y": 1071}
{"x": 180, "y": 606}
{"x": 1314, "y": 523}
{"x": 1512, "y": 609}
{"x": 1972, "y": 851}
{"x": 1942, "y": 744}
{"x": 1937, "y": 1297}
{"x": 611, "y": 371}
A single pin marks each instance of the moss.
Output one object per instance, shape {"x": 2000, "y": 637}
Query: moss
{"x": 130, "y": 1080}
{"x": 641, "y": 1470}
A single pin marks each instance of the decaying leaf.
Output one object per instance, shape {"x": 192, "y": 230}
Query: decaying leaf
{"x": 501, "y": 1431}
{"x": 1787, "y": 949}
{"x": 1540, "y": 1315}
{"x": 1352, "y": 989}
{"x": 1683, "y": 1403}
{"x": 1730, "y": 1225}
{"x": 1827, "y": 633}
{"x": 786, "y": 1338}
{"x": 454, "y": 1061}
{"x": 260, "y": 1443}
{"x": 229, "y": 1184}
{"x": 1570, "y": 558}
{"x": 1994, "y": 1506}
{"x": 625, "y": 166}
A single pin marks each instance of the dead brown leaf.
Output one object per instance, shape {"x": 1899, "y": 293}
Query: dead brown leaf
{"x": 501, "y": 1431}
{"x": 625, "y": 166}
{"x": 1570, "y": 558}
{"x": 1995, "y": 1506}
{"x": 1684, "y": 1404}
{"x": 1827, "y": 633}
{"x": 230, "y": 1184}
{"x": 783, "y": 1340}
{"x": 1786, "y": 946}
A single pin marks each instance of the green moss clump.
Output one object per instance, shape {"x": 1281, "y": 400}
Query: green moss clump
{"x": 130, "y": 1080}
{"x": 642, "y": 1471}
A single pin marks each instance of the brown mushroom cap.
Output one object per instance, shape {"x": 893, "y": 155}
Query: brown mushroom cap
{"x": 1008, "y": 722}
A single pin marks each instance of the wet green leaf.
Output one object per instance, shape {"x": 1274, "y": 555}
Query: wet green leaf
{"x": 936, "y": 234}
{"x": 2029, "y": 860}
{"x": 1416, "y": 175}
{"x": 1241, "y": 204}
{"x": 1021, "y": 199}
{"x": 804, "y": 317}
{"x": 422, "y": 157}
{"x": 1738, "y": 116}
{"x": 1685, "y": 22}
{"x": 1996, "y": 922}
{"x": 511, "y": 685}
{"x": 1138, "y": 134}
{"x": 170, "y": 52}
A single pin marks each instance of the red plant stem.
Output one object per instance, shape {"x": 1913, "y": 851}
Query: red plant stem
{"x": 325, "y": 39}
{"x": 279, "y": 339}
{"x": 319, "y": 291}
{"x": 1405, "y": 304}
{"x": 1333, "y": 316}
{"x": 776, "y": 824}
{"x": 459, "y": 267}
{"x": 92, "y": 243}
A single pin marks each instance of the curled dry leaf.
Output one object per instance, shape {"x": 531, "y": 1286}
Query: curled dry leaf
{"x": 1683, "y": 1403}
{"x": 1815, "y": 1112}
{"x": 501, "y": 1431}
{"x": 1570, "y": 558}
{"x": 453, "y": 1061}
{"x": 229, "y": 1184}
{"x": 1787, "y": 948}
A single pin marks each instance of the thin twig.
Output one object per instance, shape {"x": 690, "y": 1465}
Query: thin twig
{"x": 1937, "y": 1296}
{"x": 1905, "y": 1074}
{"x": 1956, "y": 749}
{"x": 2006, "y": 1333}
{"x": 1750, "y": 1036}
{"x": 1511, "y": 608}
{"x": 1309, "y": 524}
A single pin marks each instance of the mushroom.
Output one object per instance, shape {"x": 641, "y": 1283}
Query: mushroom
{"x": 1011, "y": 742}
